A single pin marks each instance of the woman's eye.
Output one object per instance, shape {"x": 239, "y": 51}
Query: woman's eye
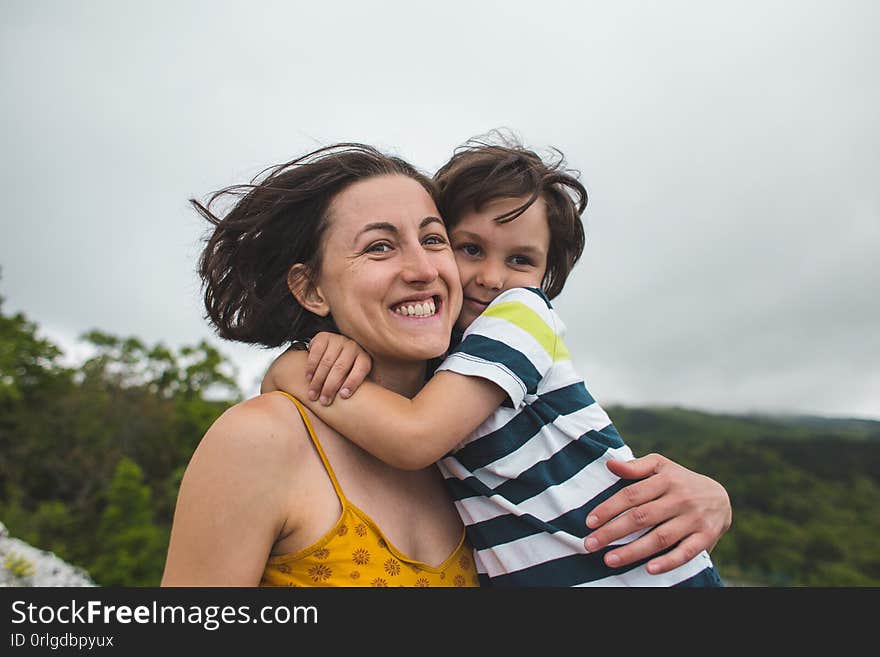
{"x": 435, "y": 239}
{"x": 378, "y": 247}
{"x": 522, "y": 261}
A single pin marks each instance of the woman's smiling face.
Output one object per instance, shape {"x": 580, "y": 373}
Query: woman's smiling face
{"x": 388, "y": 275}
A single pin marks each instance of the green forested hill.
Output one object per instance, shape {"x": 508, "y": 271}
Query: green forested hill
{"x": 91, "y": 458}
{"x": 805, "y": 491}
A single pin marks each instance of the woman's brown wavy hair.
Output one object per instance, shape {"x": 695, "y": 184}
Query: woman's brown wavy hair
{"x": 278, "y": 220}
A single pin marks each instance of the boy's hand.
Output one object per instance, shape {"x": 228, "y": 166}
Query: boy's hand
{"x": 336, "y": 364}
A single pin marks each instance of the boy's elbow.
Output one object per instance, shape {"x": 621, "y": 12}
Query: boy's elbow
{"x": 421, "y": 451}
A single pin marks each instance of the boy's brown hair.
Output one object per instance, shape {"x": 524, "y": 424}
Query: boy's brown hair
{"x": 482, "y": 171}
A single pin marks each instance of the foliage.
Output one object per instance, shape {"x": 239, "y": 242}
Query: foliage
{"x": 18, "y": 565}
{"x": 804, "y": 491}
{"x": 133, "y": 546}
{"x": 91, "y": 458}
{"x": 27, "y": 362}
{"x": 129, "y": 363}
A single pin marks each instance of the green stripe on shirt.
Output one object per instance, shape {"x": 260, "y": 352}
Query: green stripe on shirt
{"x": 519, "y": 314}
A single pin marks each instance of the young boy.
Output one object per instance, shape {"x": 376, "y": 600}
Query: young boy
{"x": 521, "y": 443}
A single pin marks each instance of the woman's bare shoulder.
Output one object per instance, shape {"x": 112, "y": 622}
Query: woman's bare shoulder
{"x": 252, "y": 455}
{"x": 234, "y": 499}
{"x": 261, "y": 432}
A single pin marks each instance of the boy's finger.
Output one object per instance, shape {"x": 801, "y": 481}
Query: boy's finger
{"x": 356, "y": 377}
{"x": 317, "y": 347}
{"x": 330, "y": 355}
{"x": 338, "y": 372}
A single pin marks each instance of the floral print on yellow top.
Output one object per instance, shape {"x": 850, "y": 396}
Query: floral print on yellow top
{"x": 355, "y": 553}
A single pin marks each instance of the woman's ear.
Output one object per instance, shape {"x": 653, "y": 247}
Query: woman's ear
{"x": 300, "y": 284}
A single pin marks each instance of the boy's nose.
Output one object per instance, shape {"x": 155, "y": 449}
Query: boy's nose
{"x": 491, "y": 276}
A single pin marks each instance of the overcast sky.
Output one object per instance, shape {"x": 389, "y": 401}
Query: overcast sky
{"x": 731, "y": 151}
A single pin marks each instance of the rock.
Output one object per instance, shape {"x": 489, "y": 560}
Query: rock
{"x": 24, "y": 565}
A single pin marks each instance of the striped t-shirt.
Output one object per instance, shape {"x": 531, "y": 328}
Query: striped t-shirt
{"x": 526, "y": 479}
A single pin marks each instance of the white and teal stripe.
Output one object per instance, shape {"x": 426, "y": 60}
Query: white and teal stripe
{"x": 526, "y": 479}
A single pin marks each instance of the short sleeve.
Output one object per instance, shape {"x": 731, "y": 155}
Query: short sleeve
{"x": 513, "y": 343}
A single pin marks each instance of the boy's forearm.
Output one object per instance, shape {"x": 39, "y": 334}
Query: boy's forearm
{"x": 409, "y": 434}
{"x": 387, "y": 425}
{"x": 287, "y": 373}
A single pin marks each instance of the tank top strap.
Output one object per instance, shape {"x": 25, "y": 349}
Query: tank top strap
{"x": 316, "y": 443}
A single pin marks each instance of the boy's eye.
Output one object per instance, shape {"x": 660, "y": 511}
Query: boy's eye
{"x": 470, "y": 249}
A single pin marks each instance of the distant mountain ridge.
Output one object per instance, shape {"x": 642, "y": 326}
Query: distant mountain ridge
{"x": 750, "y": 425}
{"x": 829, "y": 448}
{"x": 804, "y": 489}
{"x": 848, "y": 424}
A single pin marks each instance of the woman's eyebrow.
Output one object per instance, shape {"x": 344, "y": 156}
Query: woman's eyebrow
{"x": 391, "y": 228}
{"x": 378, "y": 225}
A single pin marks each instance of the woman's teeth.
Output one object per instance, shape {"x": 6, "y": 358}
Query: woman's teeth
{"x": 423, "y": 309}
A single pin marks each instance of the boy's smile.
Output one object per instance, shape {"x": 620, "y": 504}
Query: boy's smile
{"x": 493, "y": 257}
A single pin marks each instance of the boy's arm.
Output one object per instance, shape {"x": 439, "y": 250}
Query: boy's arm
{"x": 335, "y": 364}
{"x": 410, "y": 434}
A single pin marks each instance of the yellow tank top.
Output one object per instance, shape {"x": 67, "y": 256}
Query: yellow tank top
{"x": 356, "y": 553}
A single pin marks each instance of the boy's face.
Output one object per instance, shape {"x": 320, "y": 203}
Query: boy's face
{"x": 493, "y": 257}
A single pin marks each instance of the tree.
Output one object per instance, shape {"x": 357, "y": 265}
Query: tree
{"x": 30, "y": 369}
{"x": 133, "y": 547}
{"x": 192, "y": 372}
{"x": 27, "y": 362}
{"x": 103, "y": 445}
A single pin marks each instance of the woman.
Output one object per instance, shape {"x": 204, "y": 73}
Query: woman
{"x": 349, "y": 234}
{"x": 262, "y": 501}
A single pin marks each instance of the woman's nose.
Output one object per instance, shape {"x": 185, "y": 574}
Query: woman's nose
{"x": 418, "y": 267}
